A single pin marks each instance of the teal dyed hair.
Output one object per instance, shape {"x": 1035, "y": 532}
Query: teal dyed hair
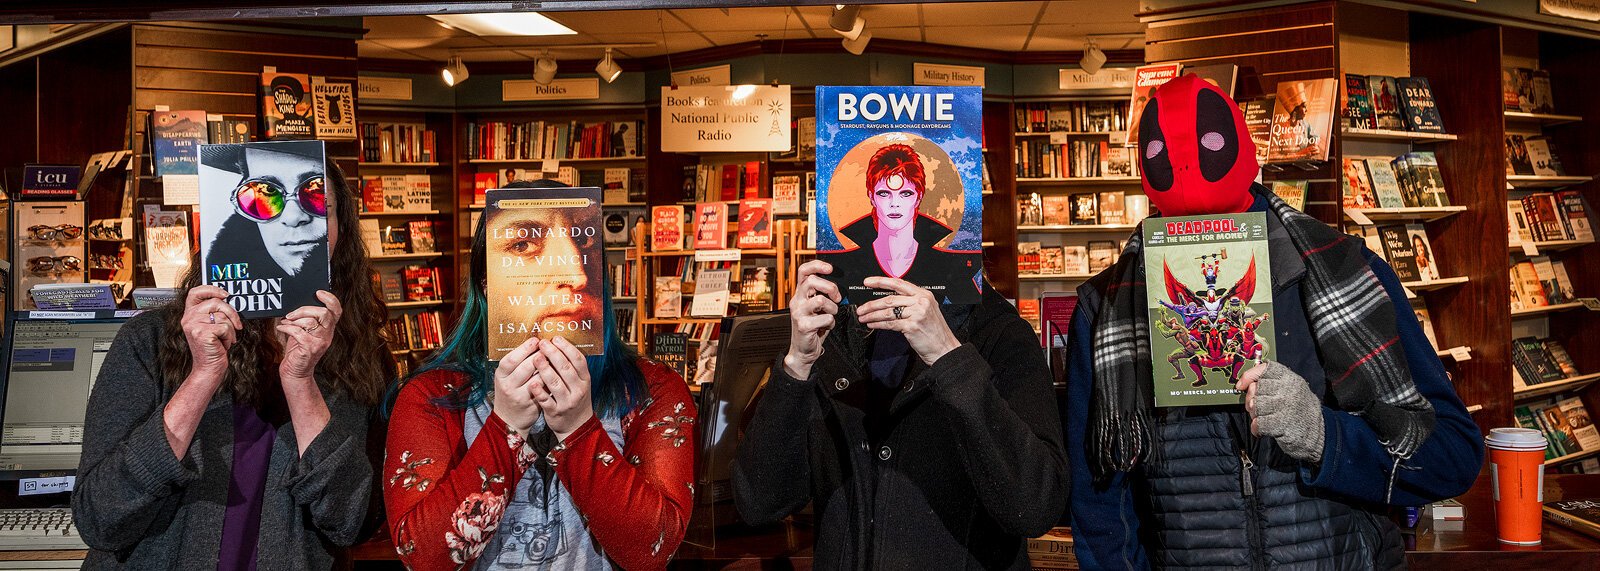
{"x": 616, "y": 383}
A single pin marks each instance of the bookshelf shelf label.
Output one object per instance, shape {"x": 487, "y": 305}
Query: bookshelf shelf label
{"x": 560, "y": 89}
{"x": 946, "y": 75}
{"x": 725, "y": 118}
{"x": 394, "y": 88}
{"x": 715, "y": 75}
{"x": 730, "y": 255}
{"x": 1590, "y": 303}
{"x": 1107, "y": 78}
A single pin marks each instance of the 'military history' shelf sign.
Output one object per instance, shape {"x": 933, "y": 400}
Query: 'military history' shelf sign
{"x": 729, "y": 118}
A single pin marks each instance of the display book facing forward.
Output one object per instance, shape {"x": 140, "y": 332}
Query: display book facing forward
{"x": 545, "y": 263}
{"x": 1209, "y": 306}
{"x": 1566, "y": 425}
{"x": 264, "y": 224}
{"x": 1392, "y": 104}
{"x": 1412, "y": 180}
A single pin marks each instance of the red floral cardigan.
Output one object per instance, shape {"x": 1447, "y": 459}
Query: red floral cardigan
{"x": 445, "y": 498}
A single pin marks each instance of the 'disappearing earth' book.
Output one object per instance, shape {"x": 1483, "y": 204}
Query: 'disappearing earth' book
{"x": 546, "y": 268}
{"x": 1209, "y": 295}
{"x": 266, "y": 245}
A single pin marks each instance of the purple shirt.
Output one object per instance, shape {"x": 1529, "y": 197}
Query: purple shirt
{"x": 241, "y": 523}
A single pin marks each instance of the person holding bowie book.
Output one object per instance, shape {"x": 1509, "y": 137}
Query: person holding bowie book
{"x": 1267, "y": 443}
{"x": 228, "y": 430}
{"x": 913, "y": 409}
{"x": 535, "y": 437}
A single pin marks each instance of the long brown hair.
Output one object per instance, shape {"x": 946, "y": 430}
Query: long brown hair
{"x": 358, "y": 365}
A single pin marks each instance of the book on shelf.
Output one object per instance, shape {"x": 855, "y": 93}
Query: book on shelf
{"x": 1544, "y": 212}
{"x": 806, "y": 139}
{"x": 395, "y": 239}
{"x": 1222, "y": 75}
{"x": 1543, "y": 102}
{"x": 617, "y": 225}
{"x": 1385, "y": 186}
{"x": 1053, "y": 550}
{"x": 1563, "y": 282}
{"x": 1516, "y": 89}
{"x": 230, "y": 128}
{"x": 1358, "y": 112}
{"x": 481, "y": 183}
{"x": 1072, "y": 117}
{"x": 1540, "y": 158}
{"x": 1302, "y": 120}
{"x": 1292, "y": 192}
{"x": 1030, "y": 209}
{"x": 1517, "y": 160}
{"x": 547, "y": 140}
{"x": 1357, "y": 186}
{"x": 627, "y": 325}
{"x": 755, "y": 223}
{"x": 1085, "y": 209}
{"x": 1420, "y": 111}
{"x": 1526, "y": 418}
{"x": 1421, "y": 181}
{"x": 622, "y": 278}
{"x": 711, "y": 226}
{"x": 1578, "y": 514}
{"x": 421, "y": 283}
{"x": 372, "y": 236}
{"x": 415, "y": 331}
{"x": 1517, "y": 229}
{"x": 545, "y": 268}
{"x": 1422, "y": 249}
{"x": 1146, "y": 79}
{"x": 1057, "y": 210}
{"x": 1425, "y": 320}
{"x": 1113, "y": 207}
{"x": 668, "y": 297}
{"x": 175, "y": 139}
{"x": 616, "y": 184}
{"x": 1560, "y": 427}
{"x": 1546, "y": 274}
{"x": 1028, "y": 310}
{"x": 398, "y": 143}
{"x": 1117, "y": 161}
{"x": 666, "y": 228}
{"x": 1258, "y": 122}
{"x": 1102, "y": 253}
{"x": 1029, "y": 258}
{"x": 1052, "y": 261}
{"x": 1055, "y": 315}
{"x": 752, "y": 179}
{"x": 421, "y": 235}
{"x": 756, "y": 288}
{"x": 1530, "y": 290}
{"x": 671, "y": 349}
{"x": 1561, "y": 357}
{"x": 1533, "y": 361}
{"x": 286, "y": 110}
{"x": 268, "y": 273}
{"x": 334, "y": 106}
{"x": 1075, "y": 259}
{"x": 391, "y": 286}
{"x": 786, "y": 194}
{"x": 1385, "y": 94}
{"x": 710, "y": 294}
{"x": 1136, "y": 207}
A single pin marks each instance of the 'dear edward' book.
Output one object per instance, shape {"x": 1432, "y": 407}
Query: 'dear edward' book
{"x": 545, "y": 260}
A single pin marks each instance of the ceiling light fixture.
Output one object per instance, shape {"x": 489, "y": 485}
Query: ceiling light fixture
{"x": 1093, "y": 59}
{"x": 608, "y": 68}
{"x": 859, "y": 44}
{"x": 455, "y": 71}
{"x": 544, "y": 69}
{"x": 847, "y": 21}
{"x": 505, "y": 24}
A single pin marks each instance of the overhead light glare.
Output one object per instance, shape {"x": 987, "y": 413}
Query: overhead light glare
{"x": 544, "y": 69}
{"x": 505, "y": 24}
{"x": 454, "y": 72}
{"x": 608, "y": 68}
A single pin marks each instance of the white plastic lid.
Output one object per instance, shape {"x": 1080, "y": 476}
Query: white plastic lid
{"x": 1515, "y": 439}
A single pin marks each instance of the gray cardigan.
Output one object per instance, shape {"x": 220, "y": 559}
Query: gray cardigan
{"x": 138, "y": 507}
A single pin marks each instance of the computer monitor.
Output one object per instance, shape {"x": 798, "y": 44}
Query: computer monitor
{"x": 51, "y": 365}
{"x": 747, "y": 348}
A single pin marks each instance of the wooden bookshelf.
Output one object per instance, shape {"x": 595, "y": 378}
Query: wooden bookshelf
{"x": 1429, "y": 214}
{"x": 639, "y": 159}
{"x": 407, "y": 256}
{"x": 1543, "y": 119}
{"x": 1571, "y": 457}
{"x": 379, "y": 165}
{"x": 1529, "y": 182}
{"x": 1553, "y": 387}
{"x": 388, "y": 214}
{"x": 1349, "y": 133}
{"x": 413, "y": 304}
{"x": 1431, "y": 285}
{"x": 1551, "y": 245}
{"x": 1056, "y": 277}
{"x": 1542, "y": 310}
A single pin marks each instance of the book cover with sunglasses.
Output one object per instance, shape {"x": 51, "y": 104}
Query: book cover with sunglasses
{"x": 545, "y": 262}
{"x": 264, "y": 224}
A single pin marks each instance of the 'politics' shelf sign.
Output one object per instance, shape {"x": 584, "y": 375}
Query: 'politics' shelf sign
{"x": 725, "y": 118}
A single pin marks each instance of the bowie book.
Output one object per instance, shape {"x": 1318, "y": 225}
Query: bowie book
{"x": 1209, "y": 295}
{"x": 546, "y": 268}
{"x": 899, "y": 188}
{"x": 264, "y": 225}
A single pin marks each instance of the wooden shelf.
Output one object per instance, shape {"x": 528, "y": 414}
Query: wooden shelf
{"x": 1545, "y": 309}
{"x": 1430, "y": 285}
{"x": 1571, "y": 457}
{"x": 620, "y": 204}
{"x": 1417, "y": 214}
{"x": 413, "y": 304}
{"x": 1392, "y": 135}
{"x": 541, "y": 161}
{"x": 1545, "y": 119}
{"x": 1087, "y": 180}
{"x": 1451, "y": 351}
{"x": 398, "y": 165}
{"x": 1029, "y": 134}
{"x": 1057, "y": 277}
{"x": 659, "y": 321}
{"x": 400, "y": 213}
{"x": 1535, "y": 181}
{"x": 418, "y": 256}
{"x": 742, "y": 252}
{"x": 1077, "y": 228}
{"x": 1552, "y": 387}
{"x": 1553, "y": 245}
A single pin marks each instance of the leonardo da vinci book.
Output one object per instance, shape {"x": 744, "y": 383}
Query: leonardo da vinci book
{"x": 545, "y": 261}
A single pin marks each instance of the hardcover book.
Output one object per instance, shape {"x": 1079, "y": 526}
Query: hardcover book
{"x": 1582, "y": 515}
{"x": 1517, "y": 84}
{"x": 672, "y": 350}
{"x": 1540, "y": 158}
{"x": 266, "y": 245}
{"x": 1385, "y": 93}
{"x": 421, "y": 236}
{"x": 1292, "y": 192}
{"x": 710, "y": 294}
{"x": 1426, "y": 179}
{"x": 755, "y": 223}
{"x": 755, "y": 288}
{"x": 1302, "y": 120}
{"x": 786, "y": 194}
{"x": 901, "y": 165}
{"x": 286, "y": 110}
{"x": 1258, "y": 121}
{"x": 1358, "y": 103}
{"x": 1583, "y": 429}
{"x": 1517, "y": 223}
{"x": 1146, "y": 79}
{"x": 1102, "y": 253}
{"x": 711, "y": 226}
{"x": 546, "y": 268}
{"x": 1075, "y": 259}
{"x": 1417, "y": 105}
{"x": 1398, "y": 249}
{"x": 1357, "y": 187}
{"x": 226, "y": 129}
{"x": 618, "y": 227}
{"x": 1210, "y": 308}
{"x": 1085, "y": 209}
{"x": 615, "y": 182}
{"x": 1052, "y": 261}
{"x": 1057, "y": 210}
{"x": 176, "y": 137}
{"x": 669, "y": 297}
{"x": 1385, "y": 186}
{"x": 335, "y": 109}
{"x": 1030, "y": 210}
{"x": 1563, "y": 282}
{"x": 1425, "y": 320}
{"x": 1427, "y": 264}
{"x": 666, "y": 228}
{"x": 1112, "y": 210}
{"x": 1517, "y": 160}
{"x": 394, "y": 240}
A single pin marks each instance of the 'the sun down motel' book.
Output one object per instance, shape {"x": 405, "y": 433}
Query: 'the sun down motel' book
{"x": 1209, "y": 294}
{"x": 545, "y": 260}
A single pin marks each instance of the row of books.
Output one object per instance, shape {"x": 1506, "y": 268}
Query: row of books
{"x": 711, "y": 294}
{"x": 754, "y": 230}
{"x": 1085, "y": 208}
{"x": 416, "y": 331}
{"x": 1536, "y": 361}
{"x": 1546, "y": 216}
{"x": 622, "y": 278}
{"x": 1540, "y": 282}
{"x": 1034, "y": 259}
{"x": 397, "y": 193}
{"x": 621, "y": 185}
{"x": 414, "y": 282}
{"x": 176, "y": 136}
{"x": 1532, "y": 156}
{"x": 410, "y": 237}
{"x": 1405, "y": 246}
{"x": 1079, "y": 158}
{"x": 626, "y": 328}
{"x": 1526, "y": 90}
{"x": 726, "y": 181}
{"x": 398, "y": 143}
{"x": 1409, "y": 180}
{"x": 1566, "y": 424}
{"x": 540, "y": 140}
{"x": 1072, "y": 116}
{"x": 1389, "y": 103}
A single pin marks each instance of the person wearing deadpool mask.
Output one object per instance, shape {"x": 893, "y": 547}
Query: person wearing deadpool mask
{"x": 1356, "y": 415}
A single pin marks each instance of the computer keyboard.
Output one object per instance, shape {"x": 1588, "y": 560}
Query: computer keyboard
{"x": 40, "y": 529}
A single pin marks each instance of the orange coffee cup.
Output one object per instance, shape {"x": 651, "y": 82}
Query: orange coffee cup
{"x": 1516, "y": 462}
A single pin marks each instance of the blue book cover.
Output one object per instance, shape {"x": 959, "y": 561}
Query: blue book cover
{"x": 899, "y": 188}
{"x": 177, "y": 136}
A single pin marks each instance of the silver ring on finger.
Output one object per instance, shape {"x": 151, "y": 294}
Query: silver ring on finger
{"x": 899, "y": 312}
{"x": 212, "y": 316}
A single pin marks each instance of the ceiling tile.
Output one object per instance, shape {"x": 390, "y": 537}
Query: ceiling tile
{"x": 1004, "y": 38}
{"x": 738, "y": 19}
{"x": 380, "y": 51}
{"x": 989, "y": 13}
{"x": 888, "y": 15}
{"x": 1090, "y": 11}
{"x": 1069, "y": 37}
{"x": 903, "y": 33}
{"x": 383, "y": 27}
{"x": 619, "y": 21}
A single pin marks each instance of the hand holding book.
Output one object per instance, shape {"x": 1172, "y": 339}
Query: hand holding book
{"x": 513, "y": 397}
{"x": 913, "y": 312}
{"x": 811, "y": 311}
{"x": 211, "y": 326}
{"x": 306, "y": 333}
{"x": 561, "y": 387}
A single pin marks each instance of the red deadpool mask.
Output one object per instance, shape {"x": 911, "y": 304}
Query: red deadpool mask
{"x": 1194, "y": 150}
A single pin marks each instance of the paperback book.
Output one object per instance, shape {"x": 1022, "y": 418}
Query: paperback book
{"x": 904, "y": 166}
{"x": 669, "y": 297}
{"x": 335, "y": 109}
{"x": 1358, "y": 103}
{"x": 666, "y": 228}
{"x": 176, "y": 137}
{"x": 1401, "y": 252}
{"x": 1292, "y": 192}
{"x": 672, "y": 350}
{"x": 1210, "y": 309}
{"x": 1418, "y": 107}
{"x": 1385, "y": 93}
{"x": 286, "y": 110}
{"x": 266, "y": 245}
{"x": 546, "y": 268}
{"x": 711, "y": 226}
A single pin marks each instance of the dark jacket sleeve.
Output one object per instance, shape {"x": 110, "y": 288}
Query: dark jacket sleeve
{"x": 333, "y": 478}
{"x": 128, "y": 477}
{"x": 1105, "y": 527}
{"x": 1355, "y": 464}
{"x": 772, "y": 472}
{"x": 1001, "y": 404}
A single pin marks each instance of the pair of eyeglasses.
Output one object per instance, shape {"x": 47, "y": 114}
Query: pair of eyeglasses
{"x": 57, "y": 264}
{"x": 106, "y": 261}
{"x": 263, "y": 200}
{"x": 62, "y": 232}
{"x": 106, "y": 231}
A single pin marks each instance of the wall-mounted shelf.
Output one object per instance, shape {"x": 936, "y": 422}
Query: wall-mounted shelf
{"x": 1406, "y": 214}
{"x": 1544, "y": 119}
{"x": 1392, "y": 135}
{"x": 1523, "y": 181}
{"x": 1535, "y": 311}
{"x": 1552, "y": 387}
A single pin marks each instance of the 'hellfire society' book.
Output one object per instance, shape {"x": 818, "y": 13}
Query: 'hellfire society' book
{"x": 545, "y": 258}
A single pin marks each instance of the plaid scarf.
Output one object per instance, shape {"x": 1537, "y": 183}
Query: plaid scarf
{"x": 1351, "y": 318}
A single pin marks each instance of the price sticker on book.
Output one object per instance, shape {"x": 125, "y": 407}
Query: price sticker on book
{"x": 1461, "y": 353}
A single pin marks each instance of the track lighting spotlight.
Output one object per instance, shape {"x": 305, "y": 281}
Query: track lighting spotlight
{"x": 608, "y": 68}
{"x": 858, "y": 44}
{"x": 1093, "y": 58}
{"x": 455, "y": 71}
{"x": 847, "y": 21}
{"x": 544, "y": 69}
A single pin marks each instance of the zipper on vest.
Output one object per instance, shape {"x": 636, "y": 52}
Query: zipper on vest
{"x": 1245, "y": 479}
{"x": 1252, "y": 507}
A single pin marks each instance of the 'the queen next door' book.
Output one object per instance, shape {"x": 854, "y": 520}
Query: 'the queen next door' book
{"x": 1209, "y": 294}
{"x": 546, "y": 261}
{"x": 264, "y": 224}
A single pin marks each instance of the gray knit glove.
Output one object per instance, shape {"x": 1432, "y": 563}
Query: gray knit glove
{"x": 1289, "y": 412}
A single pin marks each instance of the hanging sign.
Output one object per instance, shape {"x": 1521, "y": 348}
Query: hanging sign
{"x": 718, "y": 75}
{"x": 530, "y": 90}
{"x": 397, "y": 88}
{"x": 733, "y": 118}
{"x": 939, "y": 74}
{"x": 1106, "y": 78}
